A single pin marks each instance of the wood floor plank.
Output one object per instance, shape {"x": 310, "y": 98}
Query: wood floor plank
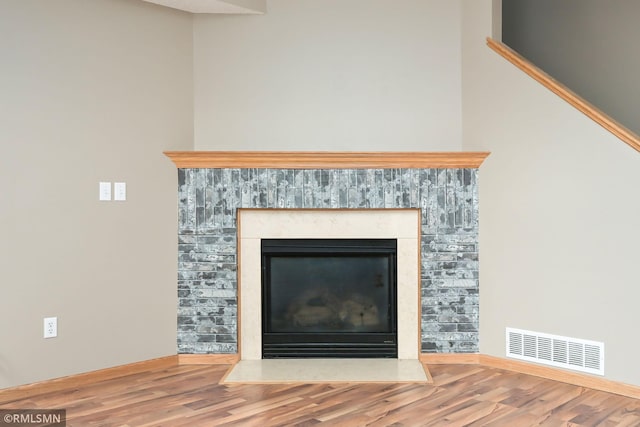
{"x": 460, "y": 395}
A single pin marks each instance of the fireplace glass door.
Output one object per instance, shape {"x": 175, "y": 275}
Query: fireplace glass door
{"x": 329, "y": 298}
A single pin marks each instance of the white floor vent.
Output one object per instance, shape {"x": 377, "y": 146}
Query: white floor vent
{"x": 554, "y": 350}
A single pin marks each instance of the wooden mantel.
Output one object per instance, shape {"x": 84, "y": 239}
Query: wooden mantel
{"x": 325, "y": 159}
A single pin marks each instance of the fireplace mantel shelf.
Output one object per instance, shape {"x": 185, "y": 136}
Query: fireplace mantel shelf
{"x": 325, "y": 159}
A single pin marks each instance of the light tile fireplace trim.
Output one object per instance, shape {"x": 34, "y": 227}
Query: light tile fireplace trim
{"x": 208, "y": 200}
{"x": 400, "y": 224}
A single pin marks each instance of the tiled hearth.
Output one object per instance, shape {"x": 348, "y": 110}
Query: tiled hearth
{"x": 447, "y": 199}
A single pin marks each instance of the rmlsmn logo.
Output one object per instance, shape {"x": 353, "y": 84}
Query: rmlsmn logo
{"x": 33, "y": 417}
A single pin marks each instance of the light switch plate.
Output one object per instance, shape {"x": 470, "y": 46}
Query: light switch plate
{"x": 120, "y": 191}
{"x": 105, "y": 191}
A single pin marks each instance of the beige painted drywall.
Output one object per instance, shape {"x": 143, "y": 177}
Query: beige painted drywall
{"x": 257, "y": 6}
{"x": 91, "y": 90}
{"x": 588, "y": 45}
{"x": 330, "y": 75}
{"x": 559, "y": 210}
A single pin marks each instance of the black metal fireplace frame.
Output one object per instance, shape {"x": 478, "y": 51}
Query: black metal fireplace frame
{"x": 323, "y": 344}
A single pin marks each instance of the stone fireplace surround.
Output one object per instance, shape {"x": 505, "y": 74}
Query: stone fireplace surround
{"x": 214, "y": 185}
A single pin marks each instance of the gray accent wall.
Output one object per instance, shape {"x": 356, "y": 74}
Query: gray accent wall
{"x": 207, "y": 264}
{"x": 591, "y": 46}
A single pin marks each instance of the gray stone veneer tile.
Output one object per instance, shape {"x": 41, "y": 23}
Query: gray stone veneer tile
{"x": 207, "y": 266}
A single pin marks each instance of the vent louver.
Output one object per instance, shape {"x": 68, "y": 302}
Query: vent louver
{"x": 563, "y": 352}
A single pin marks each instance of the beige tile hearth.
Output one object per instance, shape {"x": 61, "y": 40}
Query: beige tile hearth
{"x": 327, "y": 370}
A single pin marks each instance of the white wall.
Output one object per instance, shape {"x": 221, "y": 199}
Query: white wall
{"x": 91, "y": 91}
{"x": 330, "y": 75}
{"x": 559, "y": 210}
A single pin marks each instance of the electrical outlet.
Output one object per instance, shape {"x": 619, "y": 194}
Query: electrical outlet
{"x": 50, "y": 327}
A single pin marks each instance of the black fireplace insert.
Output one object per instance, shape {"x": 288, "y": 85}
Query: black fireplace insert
{"x": 329, "y": 298}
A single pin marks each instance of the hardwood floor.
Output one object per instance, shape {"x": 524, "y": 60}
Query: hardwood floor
{"x": 461, "y": 395}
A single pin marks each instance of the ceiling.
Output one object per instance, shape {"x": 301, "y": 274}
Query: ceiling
{"x": 216, "y": 6}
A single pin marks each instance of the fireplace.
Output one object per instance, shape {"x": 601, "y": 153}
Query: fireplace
{"x": 329, "y": 298}
{"x": 401, "y": 226}
{"x": 219, "y": 274}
